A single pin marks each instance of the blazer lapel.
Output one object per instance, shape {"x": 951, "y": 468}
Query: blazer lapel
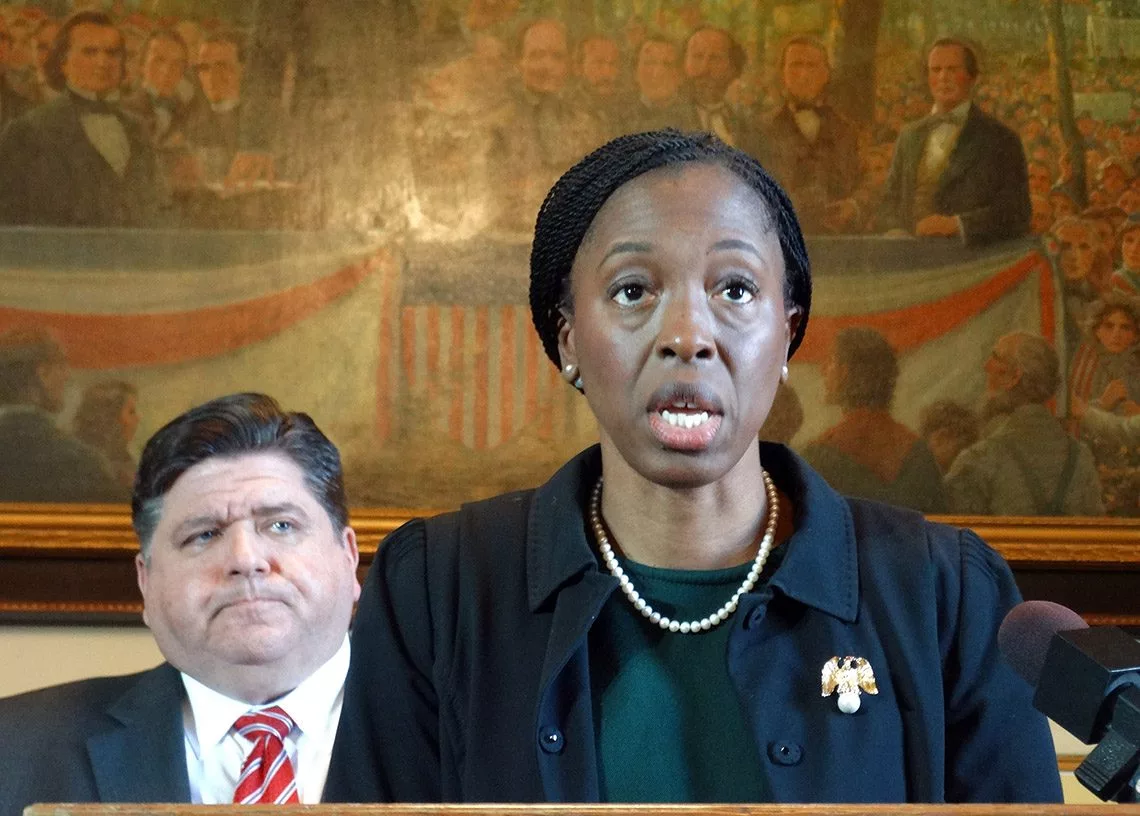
{"x": 141, "y": 757}
{"x": 966, "y": 153}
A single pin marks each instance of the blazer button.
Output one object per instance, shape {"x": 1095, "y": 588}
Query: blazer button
{"x": 783, "y": 752}
{"x": 550, "y": 739}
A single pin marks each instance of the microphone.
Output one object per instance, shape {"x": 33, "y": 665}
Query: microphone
{"x": 1087, "y": 680}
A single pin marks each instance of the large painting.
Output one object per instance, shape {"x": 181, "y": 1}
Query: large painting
{"x": 331, "y": 201}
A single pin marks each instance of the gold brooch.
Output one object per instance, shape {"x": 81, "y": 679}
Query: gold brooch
{"x": 848, "y": 675}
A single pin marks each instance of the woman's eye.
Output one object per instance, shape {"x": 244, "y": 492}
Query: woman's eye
{"x": 629, "y": 294}
{"x": 282, "y": 526}
{"x": 738, "y": 292}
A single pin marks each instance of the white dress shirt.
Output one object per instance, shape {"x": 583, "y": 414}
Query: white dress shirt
{"x": 215, "y": 752}
{"x": 105, "y": 131}
{"x": 943, "y": 137}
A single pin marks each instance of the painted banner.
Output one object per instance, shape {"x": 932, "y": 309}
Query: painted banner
{"x": 421, "y": 362}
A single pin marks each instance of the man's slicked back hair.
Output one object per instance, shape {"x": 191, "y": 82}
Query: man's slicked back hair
{"x": 572, "y": 204}
{"x": 231, "y": 426}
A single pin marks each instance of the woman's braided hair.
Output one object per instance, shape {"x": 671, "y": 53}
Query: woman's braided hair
{"x": 574, "y": 201}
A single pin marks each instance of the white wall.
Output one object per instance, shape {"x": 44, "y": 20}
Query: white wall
{"x": 36, "y": 656}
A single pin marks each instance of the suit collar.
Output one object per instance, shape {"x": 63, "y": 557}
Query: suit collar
{"x": 557, "y": 545}
{"x": 141, "y": 757}
{"x": 966, "y": 152}
{"x": 820, "y": 567}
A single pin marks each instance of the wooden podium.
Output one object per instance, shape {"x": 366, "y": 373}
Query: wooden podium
{"x": 580, "y": 810}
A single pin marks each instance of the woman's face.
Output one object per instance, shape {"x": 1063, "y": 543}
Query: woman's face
{"x": 1116, "y": 331}
{"x": 679, "y": 328}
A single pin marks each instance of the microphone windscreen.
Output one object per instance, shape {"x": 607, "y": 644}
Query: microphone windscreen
{"x": 1027, "y": 630}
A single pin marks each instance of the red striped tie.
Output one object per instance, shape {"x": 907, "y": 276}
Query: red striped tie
{"x": 267, "y": 774}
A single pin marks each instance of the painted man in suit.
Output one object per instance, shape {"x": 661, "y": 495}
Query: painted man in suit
{"x": 957, "y": 172}
{"x": 78, "y": 160}
{"x": 160, "y": 102}
{"x": 12, "y": 103}
{"x": 247, "y": 568}
{"x": 809, "y": 146}
{"x": 713, "y": 60}
{"x": 543, "y": 130}
{"x": 41, "y": 462}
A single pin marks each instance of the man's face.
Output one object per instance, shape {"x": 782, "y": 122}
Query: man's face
{"x": 601, "y": 65}
{"x": 1042, "y": 219}
{"x": 1040, "y": 180}
{"x": 164, "y": 67}
{"x": 545, "y": 60}
{"x": 950, "y": 82}
{"x": 1078, "y": 248}
{"x": 1002, "y": 371}
{"x": 247, "y": 586}
{"x": 805, "y": 72}
{"x": 657, "y": 75}
{"x": 708, "y": 66}
{"x": 54, "y": 377}
{"x": 44, "y": 36}
{"x": 219, "y": 71}
{"x": 94, "y": 62}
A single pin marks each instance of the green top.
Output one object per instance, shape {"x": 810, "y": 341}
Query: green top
{"x": 669, "y": 725}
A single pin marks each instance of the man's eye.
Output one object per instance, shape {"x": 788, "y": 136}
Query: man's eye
{"x": 629, "y": 294}
{"x": 204, "y": 537}
{"x": 282, "y": 526}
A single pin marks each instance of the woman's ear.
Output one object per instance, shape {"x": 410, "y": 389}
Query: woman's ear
{"x": 792, "y": 320}
{"x": 567, "y": 351}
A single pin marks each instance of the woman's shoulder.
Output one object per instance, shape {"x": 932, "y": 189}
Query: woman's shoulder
{"x": 890, "y": 535}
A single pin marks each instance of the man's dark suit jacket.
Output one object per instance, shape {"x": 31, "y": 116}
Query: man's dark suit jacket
{"x": 51, "y": 174}
{"x": 111, "y": 739}
{"x": 814, "y": 173}
{"x": 12, "y": 103}
{"x": 41, "y": 463}
{"x": 984, "y": 183}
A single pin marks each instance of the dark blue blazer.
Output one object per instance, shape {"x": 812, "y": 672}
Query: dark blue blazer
{"x": 111, "y": 739}
{"x": 470, "y": 676}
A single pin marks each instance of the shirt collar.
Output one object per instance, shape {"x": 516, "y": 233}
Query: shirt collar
{"x": 225, "y": 106}
{"x": 958, "y": 113}
{"x": 112, "y": 96}
{"x": 213, "y": 713}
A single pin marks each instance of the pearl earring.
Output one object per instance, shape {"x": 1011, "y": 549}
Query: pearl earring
{"x": 784, "y": 373}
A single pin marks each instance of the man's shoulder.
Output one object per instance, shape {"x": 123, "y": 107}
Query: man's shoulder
{"x": 982, "y": 121}
{"x": 72, "y": 702}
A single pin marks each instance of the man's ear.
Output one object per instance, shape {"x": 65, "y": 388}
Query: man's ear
{"x": 567, "y": 347}
{"x": 141, "y": 575}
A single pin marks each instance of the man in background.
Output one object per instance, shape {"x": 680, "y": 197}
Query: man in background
{"x": 713, "y": 60}
{"x": 78, "y": 160}
{"x": 599, "y": 69}
{"x": 868, "y": 453}
{"x": 40, "y": 462}
{"x": 958, "y": 172}
{"x": 809, "y": 146}
{"x": 247, "y": 568}
{"x": 1025, "y": 464}
{"x": 216, "y": 130}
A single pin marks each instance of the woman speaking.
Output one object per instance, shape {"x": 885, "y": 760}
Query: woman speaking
{"x": 682, "y": 613}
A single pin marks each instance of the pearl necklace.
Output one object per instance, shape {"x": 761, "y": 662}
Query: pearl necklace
{"x": 639, "y": 603}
